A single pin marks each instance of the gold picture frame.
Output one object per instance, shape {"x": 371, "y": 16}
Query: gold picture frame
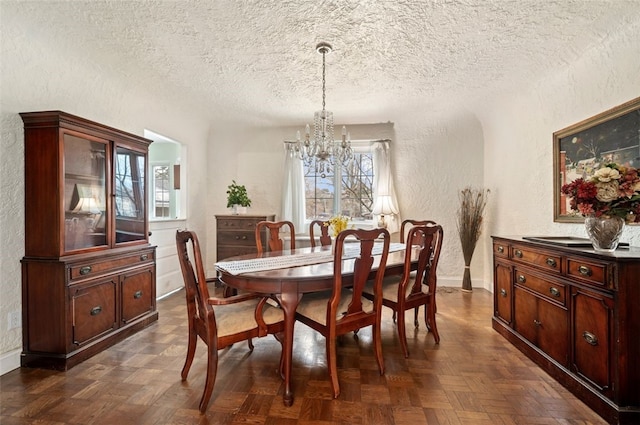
{"x": 579, "y": 150}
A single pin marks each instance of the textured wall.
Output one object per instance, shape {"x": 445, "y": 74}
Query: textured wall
{"x": 518, "y": 136}
{"x": 37, "y": 75}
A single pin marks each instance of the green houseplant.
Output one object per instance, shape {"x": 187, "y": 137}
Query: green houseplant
{"x": 237, "y": 195}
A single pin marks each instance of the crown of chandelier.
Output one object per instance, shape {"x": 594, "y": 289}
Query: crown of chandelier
{"x": 323, "y": 149}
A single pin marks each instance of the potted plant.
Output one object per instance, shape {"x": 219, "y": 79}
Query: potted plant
{"x": 237, "y": 197}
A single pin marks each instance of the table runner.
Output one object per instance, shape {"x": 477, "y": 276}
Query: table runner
{"x": 351, "y": 250}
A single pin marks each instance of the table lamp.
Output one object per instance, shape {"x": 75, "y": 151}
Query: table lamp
{"x": 383, "y": 206}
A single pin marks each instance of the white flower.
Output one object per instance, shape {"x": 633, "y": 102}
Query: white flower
{"x": 606, "y": 174}
{"x": 607, "y": 192}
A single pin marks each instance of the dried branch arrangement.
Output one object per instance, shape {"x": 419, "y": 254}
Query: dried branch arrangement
{"x": 472, "y": 205}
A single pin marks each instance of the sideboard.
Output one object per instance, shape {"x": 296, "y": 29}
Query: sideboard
{"x": 235, "y": 234}
{"x": 575, "y": 313}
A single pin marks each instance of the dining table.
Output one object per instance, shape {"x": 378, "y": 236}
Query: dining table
{"x": 288, "y": 275}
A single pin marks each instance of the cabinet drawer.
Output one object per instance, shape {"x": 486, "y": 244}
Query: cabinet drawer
{"x": 237, "y": 238}
{"x": 589, "y": 271}
{"x": 501, "y": 249}
{"x": 553, "y": 291}
{"x": 93, "y": 268}
{"x": 93, "y": 309}
{"x": 137, "y": 294}
{"x": 246, "y": 223}
{"x": 232, "y": 251}
{"x": 542, "y": 259}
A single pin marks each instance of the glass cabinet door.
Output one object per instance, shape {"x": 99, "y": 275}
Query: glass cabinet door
{"x": 130, "y": 200}
{"x": 85, "y": 192}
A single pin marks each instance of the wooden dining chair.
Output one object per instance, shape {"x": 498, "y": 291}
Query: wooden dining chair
{"x": 343, "y": 310}
{"x": 325, "y": 239}
{"x": 414, "y": 289}
{"x": 274, "y": 241}
{"x": 409, "y": 223}
{"x": 219, "y": 322}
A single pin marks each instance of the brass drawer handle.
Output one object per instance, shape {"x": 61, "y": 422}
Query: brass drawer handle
{"x": 585, "y": 271}
{"x": 501, "y": 249}
{"x": 537, "y": 322}
{"x": 590, "y": 338}
{"x": 518, "y": 253}
{"x": 144, "y": 257}
{"x": 503, "y": 292}
{"x": 551, "y": 262}
{"x": 244, "y": 237}
{"x": 137, "y": 294}
{"x": 554, "y": 291}
{"x": 95, "y": 310}
{"x": 522, "y": 279}
{"x": 85, "y": 270}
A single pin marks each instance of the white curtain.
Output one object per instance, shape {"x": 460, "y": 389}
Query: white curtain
{"x": 383, "y": 182}
{"x": 293, "y": 202}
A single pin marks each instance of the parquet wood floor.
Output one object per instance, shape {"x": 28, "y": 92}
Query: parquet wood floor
{"x": 474, "y": 376}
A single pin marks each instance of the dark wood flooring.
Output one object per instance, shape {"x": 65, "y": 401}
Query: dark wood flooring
{"x": 474, "y": 376}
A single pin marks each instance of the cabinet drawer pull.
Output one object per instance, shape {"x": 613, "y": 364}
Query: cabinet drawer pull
{"x": 518, "y": 253}
{"x": 551, "y": 262}
{"x": 95, "y": 310}
{"x": 590, "y": 338}
{"x": 144, "y": 257}
{"x": 85, "y": 270}
{"x": 537, "y": 322}
{"x": 584, "y": 270}
{"x": 554, "y": 291}
{"x": 500, "y": 249}
{"x": 522, "y": 279}
{"x": 503, "y": 292}
{"x": 137, "y": 294}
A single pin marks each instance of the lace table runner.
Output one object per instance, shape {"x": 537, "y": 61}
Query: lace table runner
{"x": 296, "y": 260}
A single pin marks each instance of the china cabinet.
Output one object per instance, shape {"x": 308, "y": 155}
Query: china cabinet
{"x": 88, "y": 274}
{"x": 574, "y": 312}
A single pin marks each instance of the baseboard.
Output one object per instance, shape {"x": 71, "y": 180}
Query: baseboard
{"x": 9, "y": 361}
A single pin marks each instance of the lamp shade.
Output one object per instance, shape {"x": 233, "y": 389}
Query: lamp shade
{"x": 384, "y": 205}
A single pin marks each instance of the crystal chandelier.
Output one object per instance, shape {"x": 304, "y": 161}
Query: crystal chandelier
{"x": 323, "y": 149}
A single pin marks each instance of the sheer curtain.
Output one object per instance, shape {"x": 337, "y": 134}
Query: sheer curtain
{"x": 293, "y": 202}
{"x": 383, "y": 182}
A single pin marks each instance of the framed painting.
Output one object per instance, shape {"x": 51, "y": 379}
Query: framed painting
{"x": 581, "y": 149}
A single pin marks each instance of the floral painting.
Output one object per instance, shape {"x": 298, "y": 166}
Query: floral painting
{"x": 582, "y": 149}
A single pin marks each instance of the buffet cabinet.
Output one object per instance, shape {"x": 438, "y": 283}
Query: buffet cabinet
{"x": 574, "y": 312}
{"x": 88, "y": 274}
{"x": 235, "y": 234}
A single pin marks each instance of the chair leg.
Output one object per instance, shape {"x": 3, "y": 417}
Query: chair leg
{"x": 332, "y": 364}
{"x": 212, "y": 369}
{"x": 402, "y": 334}
{"x": 415, "y": 317}
{"x": 432, "y": 323}
{"x": 377, "y": 343}
{"x": 280, "y": 338}
{"x": 191, "y": 349}
{"x": 250, "y": 342}
{"x": 394, "y": 316}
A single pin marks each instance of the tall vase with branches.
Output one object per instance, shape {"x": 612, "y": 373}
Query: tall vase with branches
{"x": 472, "y": 204}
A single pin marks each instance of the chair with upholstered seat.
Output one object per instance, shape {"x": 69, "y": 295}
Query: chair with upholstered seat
{"x": 342, "y": 309}
{"x": 219, "y": 322}
{"x": 414, "y": 289}
{"x": 409, "y": 223}
{"x": 274, "y": 241}
{"x": 325, "y": 239}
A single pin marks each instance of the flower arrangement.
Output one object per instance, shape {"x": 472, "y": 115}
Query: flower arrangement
{"x": 237, "y": 195}
{"x": 612, "y": 191}
{"x": 338, "y": 223}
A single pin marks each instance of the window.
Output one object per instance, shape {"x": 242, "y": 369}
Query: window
{"x": 161, "y": 195}
{"x": 354, "y": 184}
{"x": 167, "y": 191}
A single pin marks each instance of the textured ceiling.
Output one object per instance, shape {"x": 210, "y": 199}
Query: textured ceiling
{"x": 257, "y": 58}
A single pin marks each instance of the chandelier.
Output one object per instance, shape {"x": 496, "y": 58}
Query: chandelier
{"x": 323, "y": 150}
